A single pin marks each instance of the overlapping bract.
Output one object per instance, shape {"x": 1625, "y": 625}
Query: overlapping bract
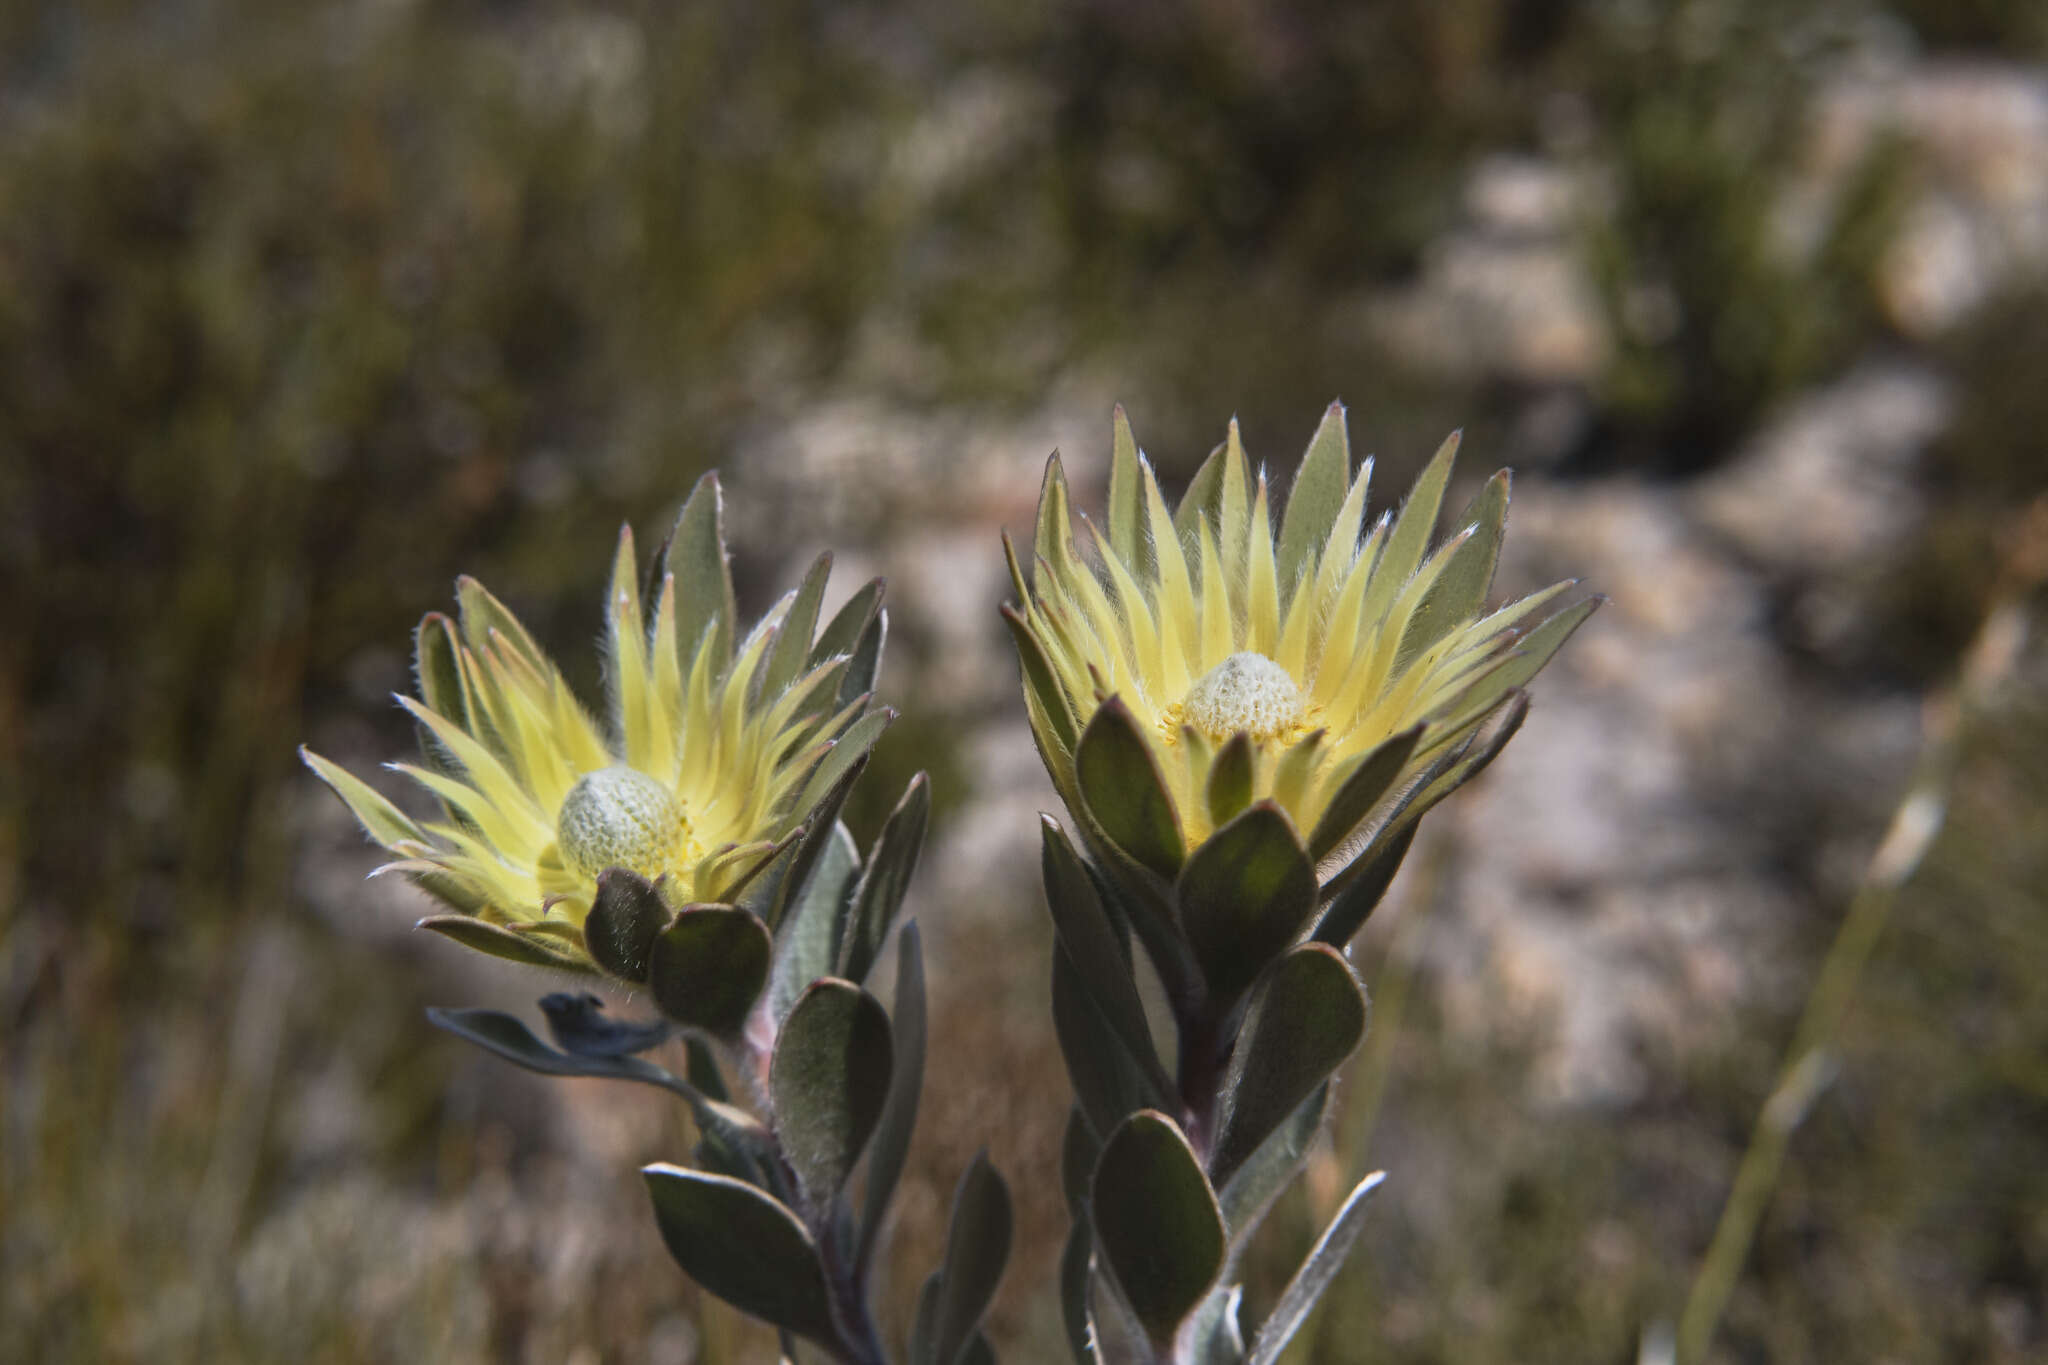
{"x": 1323, "y": 664}
{"x": 717, "y": 754}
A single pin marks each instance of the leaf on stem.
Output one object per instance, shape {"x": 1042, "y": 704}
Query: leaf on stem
{"x": 1318, "y": 1269}
{"x": 707, "y": 968}
{"x": 1156, "y": 1222}
{"x": 829, "y": 1079}
{"x": 1305, "y": 1016}
{"x": 744, "y": 1247}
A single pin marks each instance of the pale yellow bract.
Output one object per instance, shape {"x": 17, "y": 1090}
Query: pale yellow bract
{"x": 1319, "y": 640}
{"x": 702, "y": 775}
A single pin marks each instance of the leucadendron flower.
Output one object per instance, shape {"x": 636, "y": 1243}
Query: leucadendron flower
{"x": 1222, "y": 665}
{"x": 717, "y": 756}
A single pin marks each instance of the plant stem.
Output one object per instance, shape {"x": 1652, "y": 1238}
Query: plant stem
{"x": 1808, "y": 1064}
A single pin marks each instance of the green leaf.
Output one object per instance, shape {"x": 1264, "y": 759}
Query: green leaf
{"x": 1409, "y": 540}
{"x": 1363, "y": 893}
{"x": 1249, "y": 1193}
{"x": 829, "y": 1080}
{"x": 879, "y": 894}
{"x": 1306, "y": 1015}
{"x": 849, "y": 623}
{"x": 1532, "y": 651}
{"x": 708, "y": 966}
{"x": 839, "y": 761}
{"x": 626, "y": 915}
{"x": 865, "y": 660}
{"x": 1230, "y": 780}
{"x": 924, "y": 1321}
{"x": 579, "y": 1025}
{"x": 1052, "y": 537}
{"x": 1204, "y": 496}
{"x": 977, "y": 1249}
{"x": 506, "y": 1037}
{"x": 906, "y": 1080}
{"x": 436, "y": 670}
{"x": 484, "y": 616}
{"x": 489, "y": 938}
{"x": 789, "y": 657}
{"x": 819, "y": 830}
{"x": 1109, "y": 1082}
{"x": 807, "y": 939}
{"x": 1370, "y": 780}
{"x": 1156, "y": 1222}
{"x": 695, "y": 554}
{"x": 1212, "y": 1337}
{"x": 1314, "y": 500}
{"x": 1127, "y": 521}
{"x": 381, "y": 820}
{"x": 1079, "y": 1152}
{"x": 1460, "y": 589}
{"x": 1099, "y": 955}
{"x": 1077, "y": 1273}
{"x": 1124, "y": 791}
{"x": 744, "y": 1247}
{"x": 1043, "y": 688}
{"x": 1244, "y": 896}
{"x": 1318, "y": 1269}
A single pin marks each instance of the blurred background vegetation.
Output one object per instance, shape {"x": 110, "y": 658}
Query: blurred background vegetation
{"x": 306, "y": 309}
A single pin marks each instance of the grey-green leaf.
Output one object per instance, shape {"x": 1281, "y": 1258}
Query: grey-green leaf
{"x": 1245, "y": 894}
{"x": 1156, "y": 1222}
{"x": 977, "y": 1249}
{"x": 1097, "y": 953}
{"x": 489, "y": 938}
{"x": 906, "y": 1081}
{"x": 807, "y": 937}
{"x": 1315, "y": 498}
{"x": 1045, "y": 689}
{"x": 1364, "y": 892}
{"x": 789, "y": 657}
{"x": 1250, "y": 1192}
{"x": 1318, "y": 1269}
{"x": 1306, "y": 1015}
{"x": 626, "y": 915}
{"x": 1230, "y": 780}
{"x": 1409, "y": 540}
{"x": 435, "y": 668}
{"x": 879, "y": 894}
{"x": 744, "y": 1247}
{"x": 1214, "y": 1337}
{"x": 1204, "y": 495}
{"x": 695, "y": 554}
{"x": 865, "y": 660}
{"x": 708, "y": 966}
{"x": 509, "y": 1038}
{"x": 1128, "y": 536}
{"x": 1126, "y": 795}
{"x": 1460, "y": 589}
{"x": 1079, "y": 1152}
{"x": 849, "y": 623}
{"x": 1371, "y": 779}
{"x": 829, "y": 1079}
{"x": 839, "y": 762}
{"x": 1109, "y": 1083}
{"x": 1077, "y": 1273}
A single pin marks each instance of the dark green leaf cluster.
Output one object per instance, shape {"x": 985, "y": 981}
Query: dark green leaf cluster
{"x": 1169, "y": 1171}
{"x": 771, "y": 990}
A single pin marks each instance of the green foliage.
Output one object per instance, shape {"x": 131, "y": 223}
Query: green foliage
{"x": 1714, "y": 315}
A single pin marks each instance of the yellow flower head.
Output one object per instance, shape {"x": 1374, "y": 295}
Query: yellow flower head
{"x": 1335, "y": 668}
{"x": 715, "y": 756}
